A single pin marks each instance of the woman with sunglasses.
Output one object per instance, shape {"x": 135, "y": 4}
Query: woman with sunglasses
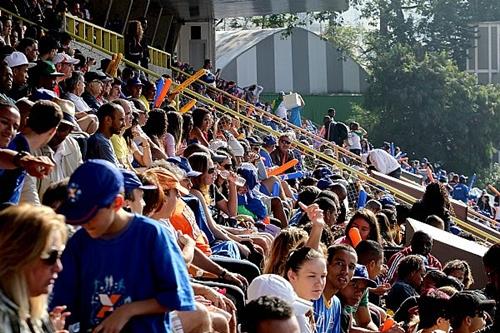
{"x": 32, "y": 239}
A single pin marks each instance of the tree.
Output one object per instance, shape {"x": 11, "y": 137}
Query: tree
{"x": 430, "y": 107}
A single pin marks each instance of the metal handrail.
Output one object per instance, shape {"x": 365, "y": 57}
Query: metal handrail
{"x": 110, "y": 40}
{"x": 241, "y": 102}
{"x": 313, "y": 153}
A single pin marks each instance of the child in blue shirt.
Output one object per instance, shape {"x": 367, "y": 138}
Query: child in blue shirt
{"x": 121, "y": 271}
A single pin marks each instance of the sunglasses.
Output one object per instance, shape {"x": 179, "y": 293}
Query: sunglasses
{"x": 211, "y": 171}
{"x": 286, "y": 142}
{"x": 51, "y": 257}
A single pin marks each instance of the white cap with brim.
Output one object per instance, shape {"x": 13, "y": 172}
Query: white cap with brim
{"x": 16, "y": 59}
{"x": 275, "y": 285}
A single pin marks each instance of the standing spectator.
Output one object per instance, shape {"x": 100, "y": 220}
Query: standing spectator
{"x": 29, "y": 47}
{"x": 145, "y": 44}
{"x": 40, "y": 128}
{"x": 134, "y": 50}
{"x": 461, "y": 190}
{"x": 354, "y": 138}
{"x": 111, "y": 121}
{"x": 336, "y": 131}
{"x": 252, "y": 93}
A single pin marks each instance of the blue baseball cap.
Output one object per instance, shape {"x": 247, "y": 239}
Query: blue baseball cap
{"x": 94, "y": 185}
{"x": 324, "y": 183}
{"x": 254, "y": 141}
{"x": 183, "y": 163}
{"x": 361, "y": 273}
{"x": 131, "y": 182}
{"x": 269, "y": 140}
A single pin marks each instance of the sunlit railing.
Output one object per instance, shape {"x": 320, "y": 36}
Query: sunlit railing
{"x": 109, "y": 40}
{"x": 97, "y": 37}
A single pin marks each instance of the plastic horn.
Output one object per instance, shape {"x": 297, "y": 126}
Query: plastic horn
{"x": 295, "y": 175}
{"x": 354, "y": 236}
{"x": 279, "y": 170}
{"x": 429, "y": 175}
{"x": 494, "y": 190}
{"x": 163, "y": 93}
{"x": 159, "y": 88}
{"x": 388, "y": 324}
{"x": 188, "y": 106}
{"x": 188, "y": 81}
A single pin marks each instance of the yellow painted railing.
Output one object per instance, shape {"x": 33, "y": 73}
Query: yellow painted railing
{"x": 109, "y": 40}
{"x": 308, "y": 151}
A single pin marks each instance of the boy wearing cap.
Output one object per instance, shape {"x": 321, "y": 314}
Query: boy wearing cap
{"x": 467, "y": 311}
{"x": 122, "y": 272}
{"x": 278, "y": 286}
{"x": 134, "y": 191}
{"x": 351, "y": 295}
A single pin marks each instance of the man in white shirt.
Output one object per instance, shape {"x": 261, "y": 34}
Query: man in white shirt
{"x": 383, "y": 162}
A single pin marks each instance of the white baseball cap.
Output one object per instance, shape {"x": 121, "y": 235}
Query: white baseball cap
{"x": 18, "y": 59}
{"x": 63, "y": 57}
{"x": 275, "y": 285}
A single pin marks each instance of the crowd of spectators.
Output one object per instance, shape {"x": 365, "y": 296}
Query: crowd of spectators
{"x": 149, "y": 220}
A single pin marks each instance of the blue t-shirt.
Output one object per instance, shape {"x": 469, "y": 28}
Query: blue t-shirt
{"x": 327, "y": 318}
{"x": 295, "y": 116}
{"x": 11, "y": 181}
{"x": 141, "y": 263}
{"x": 460, "y": 192}
{"x": 100, "y": 147}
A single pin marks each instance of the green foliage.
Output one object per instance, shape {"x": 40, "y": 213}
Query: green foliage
{"x": 489, "y": 176}
{"x": 430, "y": 107}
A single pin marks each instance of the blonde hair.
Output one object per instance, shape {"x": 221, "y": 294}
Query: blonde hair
{"x": 287, "y": 240}
{"x": 24, "y": 234}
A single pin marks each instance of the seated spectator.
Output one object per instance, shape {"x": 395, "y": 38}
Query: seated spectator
{"x": 148, "y": 95}
{"x": 174, "y": 133}
{"x": 75, "y": 87}
{"x": 411, "y": 271}
{"x": 460, "y": 270}
{"x": 64, "y": 64}
{"x": 40, "y": 128}
{"x": 29, "y": 47}
{"x": 366, "y": 223}
{"x": 277, "y": 286}
{"x": 268, "y": 314}
{"x": 93, "y": 88}
{"x": 63, "y": 149}
{"x": 286, "y": 241}
{"x": 421, "y": 244}
{"x": 201, "y": 123}
{"x": 31, "y": 242}
{"x": 467, "y": 311}
{"x": 111, "y": 121}
{"x": 19, "y": 65}
{"x": 43, "y": 78}
{"x": 435, "y": 201}
{"x": 156, "y": 129}
{"x": 47, "y": 47}
{"x": 134, "y": 88}
{"x": 160, "y": 283}
{"x": 5, "y": 82}
{"x": 433, "y": 312}
{"x": 435, "y": 221}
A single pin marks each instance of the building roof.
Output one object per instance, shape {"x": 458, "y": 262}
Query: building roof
{"x": 196, "y": 9}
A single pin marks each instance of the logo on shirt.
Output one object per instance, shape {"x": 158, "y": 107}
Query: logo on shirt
{"x": 74, "y": 192}
{"x": 108, "y": 296}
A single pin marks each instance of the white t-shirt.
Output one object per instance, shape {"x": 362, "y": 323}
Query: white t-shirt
{"x": 354, "y": 140}
{"x": 281, "y": 110}
{"x": 383, "y": 161}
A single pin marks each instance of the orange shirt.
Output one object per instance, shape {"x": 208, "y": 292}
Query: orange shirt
{"x": 184, "y": 221}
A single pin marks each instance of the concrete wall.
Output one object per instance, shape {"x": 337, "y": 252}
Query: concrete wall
{"x": 185, "y": 43}
{"x": 484, "y": 58}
